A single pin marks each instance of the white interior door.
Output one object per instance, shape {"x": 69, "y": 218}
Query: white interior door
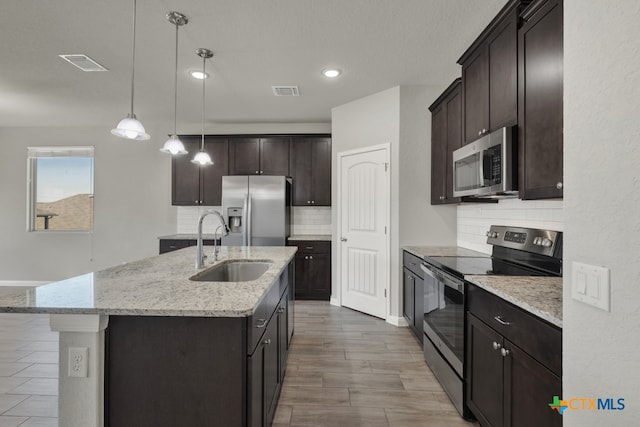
{"x": 364, "y": 220}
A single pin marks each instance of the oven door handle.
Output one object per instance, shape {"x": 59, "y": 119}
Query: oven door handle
{"x": 441, "y": 277}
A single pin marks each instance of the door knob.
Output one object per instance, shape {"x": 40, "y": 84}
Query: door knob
{"x": 344, "y": 239}
{"x": 559, "y": 185}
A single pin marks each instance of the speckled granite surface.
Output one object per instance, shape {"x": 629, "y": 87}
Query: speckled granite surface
{"x": 156, "y": 286}
{"x": 541, "y": 296}
{"x": 319, "y": 237}
{"x": 423, "y": 251}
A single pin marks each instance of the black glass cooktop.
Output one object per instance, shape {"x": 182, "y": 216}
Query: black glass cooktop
{"x": 462, "y": 266}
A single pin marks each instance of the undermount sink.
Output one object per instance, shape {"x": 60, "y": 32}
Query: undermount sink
{"x": 233, "y": 271}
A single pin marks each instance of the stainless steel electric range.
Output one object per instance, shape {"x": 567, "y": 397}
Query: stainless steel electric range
{"x": 516, "y": 251}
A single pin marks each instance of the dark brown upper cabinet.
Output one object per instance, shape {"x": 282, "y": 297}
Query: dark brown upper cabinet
{"x": 193, "y": 185}
{"x": 540, "y": 50}
{"x": 446, "y": 136}
{"x": 310, "y": 166}
{"x": 489, "y": 75}
{"x": 259, "y": 156}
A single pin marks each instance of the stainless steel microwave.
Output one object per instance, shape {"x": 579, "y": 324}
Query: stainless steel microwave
{"x": 487, "y": 167}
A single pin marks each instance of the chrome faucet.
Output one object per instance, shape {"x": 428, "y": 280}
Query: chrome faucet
{"x": 200, "y": 247}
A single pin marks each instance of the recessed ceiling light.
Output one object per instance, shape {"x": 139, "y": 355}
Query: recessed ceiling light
{"x": 199, "y": 75}
{"x": 332, "y": 73}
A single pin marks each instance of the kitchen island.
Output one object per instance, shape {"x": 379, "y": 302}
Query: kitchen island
{"x": 160, "y": 349}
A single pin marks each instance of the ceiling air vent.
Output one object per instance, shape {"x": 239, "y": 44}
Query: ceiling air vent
{"x": 83, "y": 62}
{"x": 285, "y": 90}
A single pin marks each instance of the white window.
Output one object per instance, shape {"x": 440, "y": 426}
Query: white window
{"x": 60, "y": 188}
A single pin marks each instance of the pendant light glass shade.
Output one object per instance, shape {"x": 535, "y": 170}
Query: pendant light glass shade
{"x": 130, "y": 127}
{"x": 202, "y": 158}
{"x": 173, "y": 145}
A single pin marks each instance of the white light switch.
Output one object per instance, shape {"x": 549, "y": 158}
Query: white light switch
{"x": 590, "y": 285}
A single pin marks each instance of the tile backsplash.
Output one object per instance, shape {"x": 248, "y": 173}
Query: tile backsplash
{"x": 304, "y": 220}
{"x": 475, "y": 219}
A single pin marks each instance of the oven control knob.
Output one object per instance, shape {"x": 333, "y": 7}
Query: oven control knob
{"x": 536, "y": 241}
{"x": 546, "y": 243}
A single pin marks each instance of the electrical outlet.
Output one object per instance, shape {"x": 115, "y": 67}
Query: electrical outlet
{"x": 78, "y": 361}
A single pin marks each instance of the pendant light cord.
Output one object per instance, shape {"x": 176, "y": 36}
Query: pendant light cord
{"x": 133, "y": 56}
{"x": 175, "y": 87}
{"x": 204, "y": 60}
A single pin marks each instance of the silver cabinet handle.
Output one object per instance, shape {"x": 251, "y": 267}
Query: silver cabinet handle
{"x": 344, "y": 239}
{"x": 504, "y": 352}
{"x": 308, "y": 202}
{"x": 280, "y": 309}
{"x": 484, "y": 131}
{"x": 313, "y": 202}
{"x": 310, "y": 257}
{"x": 261, "y": 323}
{"x": 441, "y": 197}
{"x": 559, "y": 185}
{"x": 257, "y": 172}
{"x": 306, "y": 257}
{"x": 308, "y": 247}
{"x": 502, "y": 322}
{"x": 479, "y": 132}
{"x": 267, "y": 341}
{"x": 496, "y": 346}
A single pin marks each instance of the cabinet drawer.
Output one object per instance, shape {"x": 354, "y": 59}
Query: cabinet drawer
{"x": 532, "y": 334}
{"x": 412, "y": 263}
{"x": 312, "y": 246}
{"x": 260, "y": 318}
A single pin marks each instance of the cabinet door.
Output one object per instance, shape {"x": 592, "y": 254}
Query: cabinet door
{"x": 283, "y": 342}
{"x": 301, "y": 171}
{"x": 302, "y": 283}
{"x": 185, "y": 176}
{"x": 454, "y": 141}
{"x": 321, "y": 172}
{"x": 484, "y": 373}
{"x": 274, "y": 156}
{"x": 418, "y": 306}
{"x": 244, "y": 156}
{"x": 529, "y": 387}
{"x": 211, "y": 176}
{"x": 438, "y": 155}
{"x": 263, "y": 378}
{"x": 408, "y": 306}
{"x": 540, "y": 102}
{"x": 475, "y": 83}
{"x": 319, "y": 275}
{"x": 503, "y": 74}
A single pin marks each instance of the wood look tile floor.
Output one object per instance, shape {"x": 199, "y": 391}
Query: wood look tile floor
{"x": 349, "y": 369}
{"x": 344, "y": 369}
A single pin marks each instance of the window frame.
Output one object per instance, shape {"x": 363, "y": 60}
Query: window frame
{"x": 38, "y": 152}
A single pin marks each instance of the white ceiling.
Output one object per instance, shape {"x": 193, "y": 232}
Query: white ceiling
{"x": 257, "y": 43}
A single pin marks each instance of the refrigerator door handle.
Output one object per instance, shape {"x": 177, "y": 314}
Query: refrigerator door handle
{"x": 249, "y": 217}
{"x": 245, "y": 215}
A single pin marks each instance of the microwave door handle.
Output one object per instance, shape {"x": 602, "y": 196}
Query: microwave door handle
{"x": 481, "y": 168}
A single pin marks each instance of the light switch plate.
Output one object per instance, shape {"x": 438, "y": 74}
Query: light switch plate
{"x": 590, "y": 284}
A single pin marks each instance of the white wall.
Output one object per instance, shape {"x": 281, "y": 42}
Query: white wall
{"x": 398, "y": 116}
{"x": 132, "y": 205}
{"x": 601, "y": 350}
{"x": 474, "y": 219}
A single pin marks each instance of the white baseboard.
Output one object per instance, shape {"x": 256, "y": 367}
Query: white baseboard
{"x": 397, "y": 321}
{"x": 335, "y": 301}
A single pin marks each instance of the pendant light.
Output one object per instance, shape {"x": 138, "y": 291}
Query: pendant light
{"x": 130, "y": 127}
{"x": 173, "y": 145}
{"x": 202, "y": 158}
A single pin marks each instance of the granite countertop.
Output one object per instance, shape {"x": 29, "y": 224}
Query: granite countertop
{"x": 156, "y": 286}
{"x": 184, "y": 236}
{"x": 427, "y": 251}
{"x": 541, "y": 296}
{"x": 319, "y": 237}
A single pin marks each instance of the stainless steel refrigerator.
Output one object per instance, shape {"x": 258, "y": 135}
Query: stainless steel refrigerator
{"x": 257, "y": 210}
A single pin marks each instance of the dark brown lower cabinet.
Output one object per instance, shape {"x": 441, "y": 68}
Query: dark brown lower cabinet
{"x": 170, "y": 245}
{"x": 199, "y": 371}
{"x": 506, "y": 385}
{"x": 413, "y": 292}
{"x": 313, "y": 270}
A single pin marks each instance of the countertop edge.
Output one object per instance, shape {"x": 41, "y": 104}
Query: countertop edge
{"x": 518, "y": 302}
